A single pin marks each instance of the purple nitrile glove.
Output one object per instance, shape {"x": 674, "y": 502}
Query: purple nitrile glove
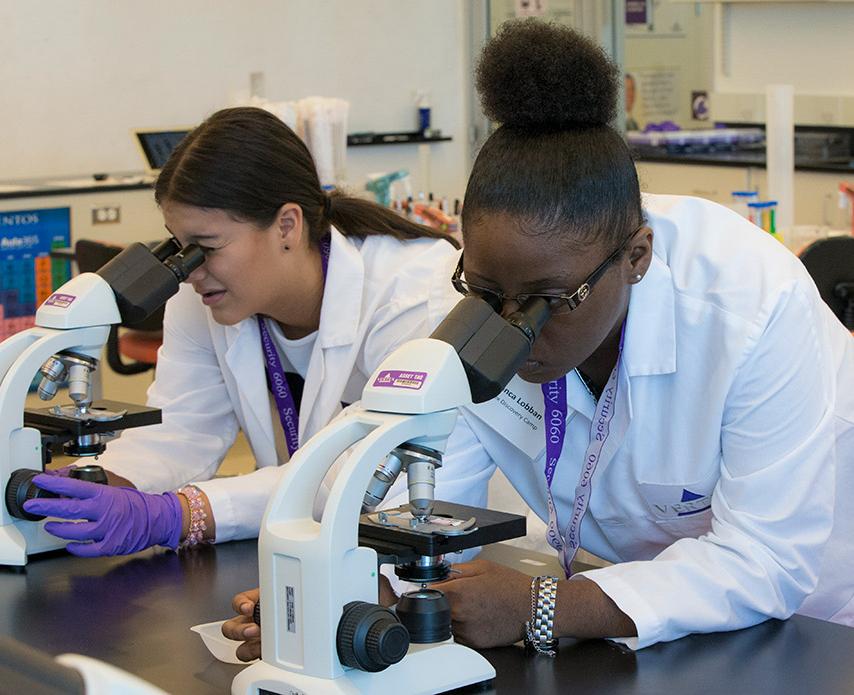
{"x": 117, "y": 520}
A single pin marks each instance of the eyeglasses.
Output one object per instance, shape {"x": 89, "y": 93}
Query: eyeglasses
{"x": 558, "y": 303}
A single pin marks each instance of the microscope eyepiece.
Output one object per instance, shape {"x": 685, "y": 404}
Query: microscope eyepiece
{"x": 185, "y": 261}
{"x": 531, "y": 317}
{"x": 168, "y": 247}
{"x": 491, "y": 348}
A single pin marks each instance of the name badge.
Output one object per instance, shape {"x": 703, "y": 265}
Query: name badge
{"x": 517, "y": 415}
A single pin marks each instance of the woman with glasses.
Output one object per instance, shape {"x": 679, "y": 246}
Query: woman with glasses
{"x": 687, "y": 412}
{"x": 698, "y": 422}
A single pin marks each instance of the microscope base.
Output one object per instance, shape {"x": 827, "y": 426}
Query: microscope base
{"x": 20, "y": 539}
{"x": 426, "y": 669}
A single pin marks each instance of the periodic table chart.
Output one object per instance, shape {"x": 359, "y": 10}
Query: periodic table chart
{"x": 28, "y": 274}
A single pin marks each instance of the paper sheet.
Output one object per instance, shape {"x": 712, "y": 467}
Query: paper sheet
{"x": 221, "y": 647}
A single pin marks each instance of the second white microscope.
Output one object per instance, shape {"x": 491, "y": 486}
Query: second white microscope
{"x": 322, "y": 628}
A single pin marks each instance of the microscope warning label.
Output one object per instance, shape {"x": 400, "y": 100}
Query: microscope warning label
{"x": 393, "y": 378}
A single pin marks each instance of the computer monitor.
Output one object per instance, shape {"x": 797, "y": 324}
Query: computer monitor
{"x": 157, "y": 145}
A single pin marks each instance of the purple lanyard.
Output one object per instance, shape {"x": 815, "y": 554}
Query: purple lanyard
{"x": 554, "y": 395}
{"x": 278, "y": 383}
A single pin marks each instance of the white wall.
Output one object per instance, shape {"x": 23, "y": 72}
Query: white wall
{"x": 77, "y": 76}
{"x": 805, "y": 44}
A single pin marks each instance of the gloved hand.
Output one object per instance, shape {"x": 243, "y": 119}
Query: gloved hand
{"x": 118, "y": 520}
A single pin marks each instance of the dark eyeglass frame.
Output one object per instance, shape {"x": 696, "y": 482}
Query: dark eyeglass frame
{"x": 570, "y": 300}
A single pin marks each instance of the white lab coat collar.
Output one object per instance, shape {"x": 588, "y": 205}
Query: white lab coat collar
{"x": 342, "y": 295}
{"x": 649, "y": 345}
{"x": 244, "y": 356}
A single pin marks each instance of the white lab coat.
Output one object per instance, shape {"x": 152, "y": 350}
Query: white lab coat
{"x": 211, "y": 381}
{"x": 736, "y": 385}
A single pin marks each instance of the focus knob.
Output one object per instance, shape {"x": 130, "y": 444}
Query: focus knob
{"x": 370, "y": 637}
{"x": 21, "y": 488}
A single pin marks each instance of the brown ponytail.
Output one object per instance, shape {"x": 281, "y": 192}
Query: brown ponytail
{"x": 361, "y": 218}
{"x": 247, "y": 162}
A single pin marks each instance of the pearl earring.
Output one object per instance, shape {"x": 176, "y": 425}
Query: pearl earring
{"x": 638, "y": 277}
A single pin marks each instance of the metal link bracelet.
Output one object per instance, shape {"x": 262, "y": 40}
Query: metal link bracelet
{"x": 538, "y": 630}
{"x": 198, "y": 516}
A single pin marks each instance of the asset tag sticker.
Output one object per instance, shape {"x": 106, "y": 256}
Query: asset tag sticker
{"x": 63, "y": 301}
{"x": 396, "y": 379}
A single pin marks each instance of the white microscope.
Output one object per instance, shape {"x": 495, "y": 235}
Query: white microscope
{"x": 322, "y": 629}
{"x": 72, "y": 326}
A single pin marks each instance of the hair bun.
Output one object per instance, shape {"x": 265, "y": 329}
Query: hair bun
{"x": 544, "y": 75}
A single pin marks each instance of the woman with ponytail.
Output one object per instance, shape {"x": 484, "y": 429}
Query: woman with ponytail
{"x": 301, "y": 296}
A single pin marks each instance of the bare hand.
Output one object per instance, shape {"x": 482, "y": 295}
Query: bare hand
{"x": 243, "y": 628}
{"x": 489, "y": 603}
{"x": 387, "y": 596}
{"x": 118, "y": 481}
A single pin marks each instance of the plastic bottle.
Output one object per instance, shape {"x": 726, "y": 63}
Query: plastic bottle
{"x": 846, "y": 201}
{"x": 455, "y": 228}
{"x": 764, "y": 214}
{"x": 422, "y": 101}
{"x": 739, "y": 202}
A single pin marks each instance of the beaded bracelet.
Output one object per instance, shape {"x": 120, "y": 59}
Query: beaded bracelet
{"x": 198, "y": 525}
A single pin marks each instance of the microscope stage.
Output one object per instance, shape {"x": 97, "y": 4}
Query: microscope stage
{"x": 63, "y": 428}
{"x": 405, "y": 544}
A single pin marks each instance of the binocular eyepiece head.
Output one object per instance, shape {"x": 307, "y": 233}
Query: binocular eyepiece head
{"x": 492, "y": 348}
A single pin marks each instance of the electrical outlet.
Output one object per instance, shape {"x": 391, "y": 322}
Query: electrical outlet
{"x": 107, "y": 214}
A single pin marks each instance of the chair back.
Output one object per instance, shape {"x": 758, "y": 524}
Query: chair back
{"x": 830, "y": 262}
